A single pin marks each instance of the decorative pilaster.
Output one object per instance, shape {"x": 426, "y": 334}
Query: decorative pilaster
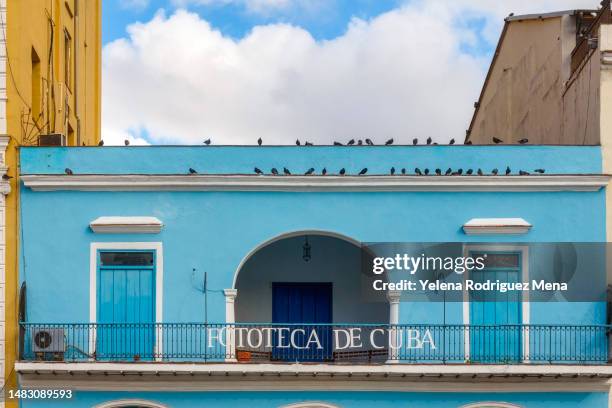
{"x": 5, "y": 188}
{"x": 230, "y": 320}
{"x": 394, "y": 303}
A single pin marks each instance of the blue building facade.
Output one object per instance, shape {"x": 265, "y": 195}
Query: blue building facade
{"x": 174, "y": 276}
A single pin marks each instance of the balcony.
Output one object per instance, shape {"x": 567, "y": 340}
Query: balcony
{"x": 329, "y": 344}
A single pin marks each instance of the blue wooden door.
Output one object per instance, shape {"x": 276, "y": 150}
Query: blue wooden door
{"x": 126, "y": 305}
{"x": 495, "y": 317}
{"x": 303, "y": 303}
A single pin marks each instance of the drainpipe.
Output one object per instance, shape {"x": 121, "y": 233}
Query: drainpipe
{"x": 76, "y": 72}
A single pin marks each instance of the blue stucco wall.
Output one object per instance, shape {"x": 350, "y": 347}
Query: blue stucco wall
{"x": 214, "y": 231}
{"x": 241, "y": 160}
{"x": 341, "y": 399}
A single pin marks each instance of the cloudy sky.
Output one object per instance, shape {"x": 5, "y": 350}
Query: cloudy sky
{"x": 182, "y": 71}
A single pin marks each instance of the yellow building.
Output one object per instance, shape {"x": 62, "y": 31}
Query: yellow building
{"x": 50, "y": 54}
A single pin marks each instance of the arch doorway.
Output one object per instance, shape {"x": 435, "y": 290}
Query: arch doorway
{"x": 130, "y": 403}
{"x": 313, "y": 279}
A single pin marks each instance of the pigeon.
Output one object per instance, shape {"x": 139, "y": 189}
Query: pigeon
{"x": 495, "y": 171}
{"x": 497, "y": 141}
{"x": 369, "y": 142}
{"x": 259, "y": 141}
{"x": 479, "y": 172}
{"x": 415, "y": 141}
{"x": 523, "y": 173}
{"x": 257, "y": 171}
{"x": 307, "y": 144}
{"x": 404, "y": 172}
{"x": 426, "y": 172}
{"x": 469, "y": 142}
{"x": 351, "y": 142}
{"x": 448, "y": 172}
{"x": 101, "y": 143}
{"x": 207, "y": 142}
{"x": 342, "y": 171}
{"x": 274, "y": 171}
{"x": 359, "y": 142}
{"x": 324, "y": 171}
{"x": 392, "y": 171}
{"x": 337, "y": 144}
{"x": 438, "y": 172}
{"x": 524, "y": 141}
{"x": 297, "y": 142}
{"x": 541, "y": 171}
{"x": 452, "y": 142}
{"x": 6, "y": 177}
{"x": 192, "y": 171}
{"x": 389, "y": 142}
{"x": 310, "y": 171}
{"x": 126, "y": 142}
{"x": 469, "y": 172}
{"x": 459, "y": 172}
{"x": 429, "y": 140}
{"x": 418, "y": 171}
{"x": 68, "y": 171}
{"x": 508, "y": 171}
{"x": 286, "y": 171}
{"x": 363, "y": 171}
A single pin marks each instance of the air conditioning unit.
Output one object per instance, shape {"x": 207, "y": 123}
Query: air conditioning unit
{"x": 52, "y": 139}
{"x": 48, "y": 340}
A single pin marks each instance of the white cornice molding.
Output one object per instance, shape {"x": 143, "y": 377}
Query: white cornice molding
{"x": 403, "y": 377}
{"x": 126, "y": 225}
{"x": 123, "y": 182}
{"x": 484, "y": 226}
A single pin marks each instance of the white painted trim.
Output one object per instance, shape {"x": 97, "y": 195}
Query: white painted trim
{"x": 525, "y": 304}
{"x": 126, "y": 225}
{"x": 131, "y": 182}
{"x": 286, "y": 235}
{"x": 130, "y": 402}
{"x": 310, "y": 404}
{"x": 230, "y": 319}
{"x": 279, "y": 377}
{"x": 481, "y": 226}
{"x": 491, "y": 405}
{"x": 159, "y": 281}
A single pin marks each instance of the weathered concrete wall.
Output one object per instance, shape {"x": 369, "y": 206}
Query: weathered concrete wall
{"x": 523, "y": 97}
{"x": 581, "y": 105}
{"x": 605, "y": 121}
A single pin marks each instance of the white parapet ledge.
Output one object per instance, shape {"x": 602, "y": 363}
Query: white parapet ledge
{"x": 399, "y": 377}
{"x": 126, "y": 225}
{"x": 484, "y": 226}
{"x": 125, "y": 182}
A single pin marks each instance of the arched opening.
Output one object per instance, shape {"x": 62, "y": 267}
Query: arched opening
{"x": 310, "y": 405}
{"x": 130, "y": 403}
{"x": 313, "y": 279}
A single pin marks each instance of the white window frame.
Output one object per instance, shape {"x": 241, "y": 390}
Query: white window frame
{"x": 93, "y": 283}
{"x": 525, "y": 304}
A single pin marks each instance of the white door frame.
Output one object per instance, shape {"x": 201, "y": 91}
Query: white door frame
{"x": 93, "y": 283}
{"x": 525, "y": 305}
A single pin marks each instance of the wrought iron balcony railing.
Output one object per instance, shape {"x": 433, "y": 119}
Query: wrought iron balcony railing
{"x": 329, "y": 343}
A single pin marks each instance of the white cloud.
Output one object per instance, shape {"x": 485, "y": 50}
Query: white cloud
{"x": 402, "y": 75}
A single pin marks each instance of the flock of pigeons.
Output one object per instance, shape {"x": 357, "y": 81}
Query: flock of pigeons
{"x": 368, "y": 142}
{"x": 359, "y": 142}
{"x": 417, "y": 171}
